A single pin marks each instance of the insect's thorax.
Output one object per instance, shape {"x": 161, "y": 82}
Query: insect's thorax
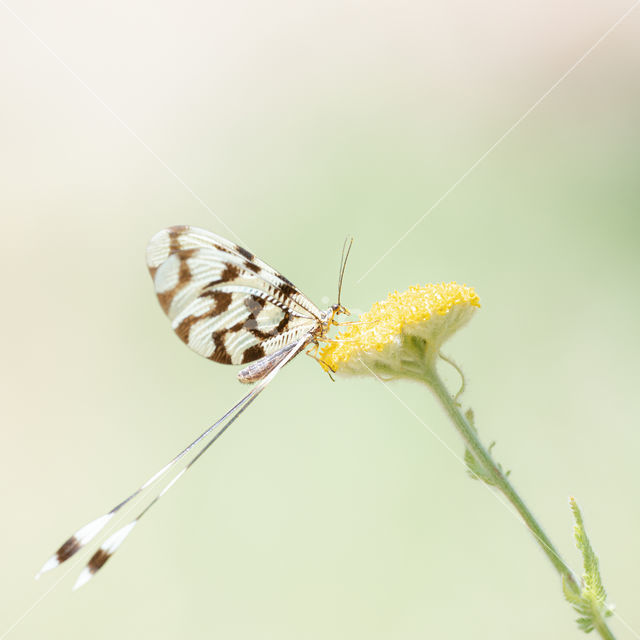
{"x": 328, "y": 317}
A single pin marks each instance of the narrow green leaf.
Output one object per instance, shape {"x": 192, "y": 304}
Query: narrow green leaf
{"x": 590, "y": 603}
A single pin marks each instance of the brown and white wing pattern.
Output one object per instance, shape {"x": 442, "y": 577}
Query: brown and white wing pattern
{"x": 222, "y": 301}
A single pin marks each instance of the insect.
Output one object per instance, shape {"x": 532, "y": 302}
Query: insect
{"x": 232, "y": 308}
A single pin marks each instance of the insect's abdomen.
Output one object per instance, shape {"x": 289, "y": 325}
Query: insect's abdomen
{"x": 261, "y": 368}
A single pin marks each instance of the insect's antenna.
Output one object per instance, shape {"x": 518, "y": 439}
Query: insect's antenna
{"x": 346, "y": 249}
{"x": 84, "y": 535}
{"x": 344, "y": 246}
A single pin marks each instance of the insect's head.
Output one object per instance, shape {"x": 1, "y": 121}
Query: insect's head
{"x": 337, "y": 309}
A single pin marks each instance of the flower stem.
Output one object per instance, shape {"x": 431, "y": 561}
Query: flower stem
{"x": 602, "y": 628}
{"x": 499, "y": 479}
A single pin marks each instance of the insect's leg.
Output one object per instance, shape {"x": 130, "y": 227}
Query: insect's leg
{"x": 315, "y": 346}
{"x": 350, "y": 322}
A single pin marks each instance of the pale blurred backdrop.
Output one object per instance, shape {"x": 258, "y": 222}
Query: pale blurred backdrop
{"x": 328, "y": 510}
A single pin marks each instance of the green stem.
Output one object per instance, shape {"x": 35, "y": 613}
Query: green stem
{"x": 470, "y": 437}
{"x": 601, "y": 627}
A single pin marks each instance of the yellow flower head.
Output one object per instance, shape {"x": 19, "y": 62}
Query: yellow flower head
{"x": 404, "y": 330}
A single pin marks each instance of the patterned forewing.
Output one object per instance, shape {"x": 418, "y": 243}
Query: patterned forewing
{"x": 224, "y": 309}
{"x": 182, "y": 237}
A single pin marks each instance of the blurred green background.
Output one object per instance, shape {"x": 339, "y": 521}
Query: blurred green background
{"x": 327, "y": 511}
